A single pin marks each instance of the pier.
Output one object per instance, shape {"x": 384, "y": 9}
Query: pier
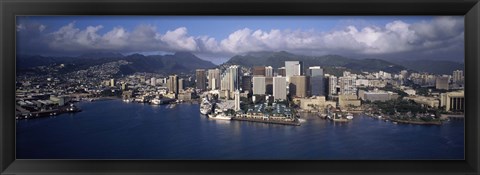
{"x": 293, "y": 123}
{"x": 25, "y": 114}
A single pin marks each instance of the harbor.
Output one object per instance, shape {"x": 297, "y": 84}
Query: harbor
{"x": 188, "y": 134}
{"x": 275, "y": 113}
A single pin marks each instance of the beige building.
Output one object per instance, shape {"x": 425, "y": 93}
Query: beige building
{"x": 441, "y": 83}
{"x": 377, "y": 95}
{"x": 298, "y": 86}
{"x": 345, "y": 101}
{"x": 428, "y": 101}
{"x": 453, "y": 101}
{"x": 172, "y": 85}
{"x": 315, "y": 103}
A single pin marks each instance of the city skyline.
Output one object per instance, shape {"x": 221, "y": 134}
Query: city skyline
{"x": 342, "y": 105}
{"x": 218, "y": 38}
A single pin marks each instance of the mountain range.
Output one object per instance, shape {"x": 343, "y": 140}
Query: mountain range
{"x": 180, "y": 62}
{"x": 277, "y": 59}
{"x": 185, "y": 62}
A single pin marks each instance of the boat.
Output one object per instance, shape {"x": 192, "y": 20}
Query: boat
{"x": 220, "y": 116}
{"x": 395, "y": 122}
{"x": 349, "y": 116}
{"x": 156, "y": 101}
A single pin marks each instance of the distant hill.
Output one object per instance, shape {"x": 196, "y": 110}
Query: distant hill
{"x": 99, "y": 55}
{"x": 277, "y": 59}
{"x": 432, "y": 66}
{"x": 177, "y": 63}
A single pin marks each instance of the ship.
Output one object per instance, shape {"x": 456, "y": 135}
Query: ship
{"x": 161, "y": 101}
{"x": 205, "y": 107}
{"x": 220, "y": 116}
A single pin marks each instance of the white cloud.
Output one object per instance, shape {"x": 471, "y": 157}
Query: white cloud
{"x": 394, "y": 37}
{"x": 178, "y": 39}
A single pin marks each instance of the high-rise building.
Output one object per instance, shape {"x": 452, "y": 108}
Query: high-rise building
{"x": 180, "y": 84}
{"x": 458, "y": 77}
{"x": 298, "y": 86}
{"x": 332, "y": 85}
{"x": 246, "y": 83}
{"x": 213, "y": 79}
{"x": 153, "y": 81}
{"x": 237, "y": 100}
{"x": 347, "y": 85}
{"x": 281, "y": 72}
{"x": 269, "y": 85}
{"x": 234, "y": 80}
{"x": 201, "y": 79}
{"x": 269, "y": 71}
{"x": 112, "y": 82}
{"x": 316, "y": 81}
{"x": 280, "y": 88}
{"x": 293, "y": 68}
{"x": 259, "y": 71}
{"x": 441, "y": 83}
{"x": 172, "y": 84}
{"x": 259, "y": 85}
{"x": 225, "y": 85}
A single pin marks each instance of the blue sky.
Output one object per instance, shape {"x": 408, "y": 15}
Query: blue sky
{"x": 217, "y": 38}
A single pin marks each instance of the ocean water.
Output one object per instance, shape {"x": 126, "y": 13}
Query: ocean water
{"x": 117, "y": 130}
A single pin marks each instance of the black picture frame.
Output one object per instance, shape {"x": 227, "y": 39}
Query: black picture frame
{"x": 9, "y": 9}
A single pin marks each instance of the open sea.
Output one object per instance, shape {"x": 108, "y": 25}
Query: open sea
{"x": 116, "y": 130}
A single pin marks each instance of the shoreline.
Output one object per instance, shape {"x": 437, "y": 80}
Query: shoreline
{"x": 388, "y": 118}
{"x": 418, "y": 122}
{"x": 266, "y": 121}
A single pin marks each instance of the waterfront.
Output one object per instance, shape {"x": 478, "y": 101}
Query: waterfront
{"x": 117, "y": 130}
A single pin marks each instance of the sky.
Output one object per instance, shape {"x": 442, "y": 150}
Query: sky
{"x": 217, "y": 38}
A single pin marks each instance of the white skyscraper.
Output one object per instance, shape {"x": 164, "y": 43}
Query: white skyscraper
{"x": 269, "y": 71}
{"x": 112, "y": 82}
{"x": 237, "y": 100}
{"x": 213, "y": 79}
{"x": 347, "y": 85}
{"x": 234, "y": 78}
{"x": 332, "y": 85}
{"x": 225, "y": 81}
{"x": 259, "y": 85}
{"x": 153, "y": 81}
{"x": 280, "y": 88}
{"x": 293, "y": 68}
{"x": 458, "y": 76}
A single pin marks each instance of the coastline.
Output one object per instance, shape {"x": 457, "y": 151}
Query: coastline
{"x": 294, "y": 123}
{"x": 388, "y": 118}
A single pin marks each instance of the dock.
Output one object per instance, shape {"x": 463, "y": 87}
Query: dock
{"x": 293, "y": 123}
